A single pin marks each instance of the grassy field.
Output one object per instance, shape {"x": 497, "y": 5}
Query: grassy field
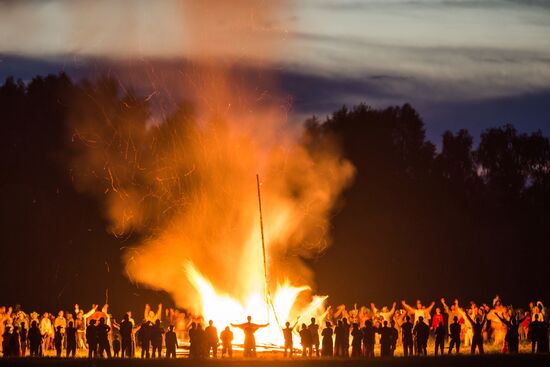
{"x": 520, "y": 360}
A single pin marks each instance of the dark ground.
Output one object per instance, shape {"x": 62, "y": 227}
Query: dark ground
{"x": 520, "y": 360}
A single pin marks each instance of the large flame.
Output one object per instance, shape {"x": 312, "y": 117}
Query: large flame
{"x": 188, "y": 187}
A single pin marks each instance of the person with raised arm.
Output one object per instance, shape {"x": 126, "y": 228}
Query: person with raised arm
{"x": 477, "y": 329}
{"x": 512, "y": 332}
{"x": 385, "y": 313}
{"x": 419, "y": 311}
{"x": 287, "y": 334}
{"x": 249, "y": 329}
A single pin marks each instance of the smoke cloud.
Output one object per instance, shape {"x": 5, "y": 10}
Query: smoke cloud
{"x": 188, "y": 185}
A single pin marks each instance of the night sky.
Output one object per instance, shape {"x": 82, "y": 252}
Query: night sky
{"x": 460, "y": 63}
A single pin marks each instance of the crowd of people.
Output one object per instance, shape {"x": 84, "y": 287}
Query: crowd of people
{"x": 360, "y": 332}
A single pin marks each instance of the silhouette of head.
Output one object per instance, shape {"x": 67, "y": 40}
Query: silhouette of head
{"x": 70, "y": 324}
{"x": 33, "y": 324}
{"x": 345, "y": 320}
{"x": 126, "y": 317}
{"x": 101, "y": 321}
{"x": 210, "y": 322}
{"x": 22, "y": 325}
{"x": 313, "y": 320}
{"x": 420, "y": 318}
{"x": 455, "y": 319}
{"x": 328, "y": 324}
{"x": 368, "y": 323}
{"x": 249, "y": 318}
{"x": 193, "y": 325}
{"x": 92, "y": 322}
{"x": 339, "y": 322}
{"x": 287, "y": 324}
{"x": 304, "y": 326}
{"x": 407, "y": 318}
{"x": 478, "y": 320}
{"x": 536, "y": 317}
{"x": 227, "y": 328}
{"x": 385, "y": 323}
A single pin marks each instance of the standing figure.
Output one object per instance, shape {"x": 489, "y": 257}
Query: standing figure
{"x": 35, "y": 339}
{"x": 407, "y": 336}
{"x": 305, "y": 340}
{"x": 91, "y": 339}
{"x": 339, "y": 340}
{"x": 287, "y": 334}
{"x": 116, "y": 346}
{"x": 156, "y": 339}
{"x": 103, "y": 338}
{"x": 327, "y": 345}
{"x": 314, "y": 329}
{"x": 369, "y": 338}
{"x": 171, "y": 341}
{"x": 126, "y": 329}
{"x": 512, "y": 332}
{"x": 249, "y": 329}
{"x": 226, "y": 337}
{"x": 356, "y": 341}
{"x": 421, "y": 332}
{"x": 145, "y": 338}
{"x": 477, "y": 329}
{"x": 455, "y": 329}
{"x": 440, "y": 333}
{"x": 23, "y": 337}
{"x": 212, "y": 339}
{"x": 386, "y": 336}
{"x": 70, "y": 333}
{"x": 58, "y": 341}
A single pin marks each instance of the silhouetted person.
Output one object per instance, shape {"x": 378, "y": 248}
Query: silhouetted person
{"x": 369, "y": 338}
{"x": 6, "y": 338}
{"x": 212, "y": 339}
{"x": 23, "y": 337}
{"x": 70, "y": 335}
{"x": 327, "y": 344}
{"x": 116, "y": 346}
{"x": 512, "y": 332}
{"x": 314, "y": 329}
{"x": 91, "y": 339}
{"x": 287, "y": 334}
{"x": 58, "y": 341}
{"x": 193, "y": 341}
{"x": 145, "y": 338}
{"x": 386, "y": 336}
{"x": 35, "y": 339}
{"x": 171, "y": 342}
{"x": 421, "y": 331}
{"x": 15, "y": 342}
{"x": 394, "y": 336}
{"x": 200, "y": 340}
{"x": 454, "y": 329}
{"x": 356, "y": 341}
{"x": 477, "y": 329}
{"x": 305, "y": 340}
{"x": 339, "y": 340}
{"x": 126, "y": 329}
{"x": 407, "y": 336}
{"x": 103, "y": 338}
{"x": 440, "y": 333}
{"x": 249, "y": 329}
{"x": 226, "y": 337}
{"x": 156, "y": 339}
{"x": 346, "y": 326}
